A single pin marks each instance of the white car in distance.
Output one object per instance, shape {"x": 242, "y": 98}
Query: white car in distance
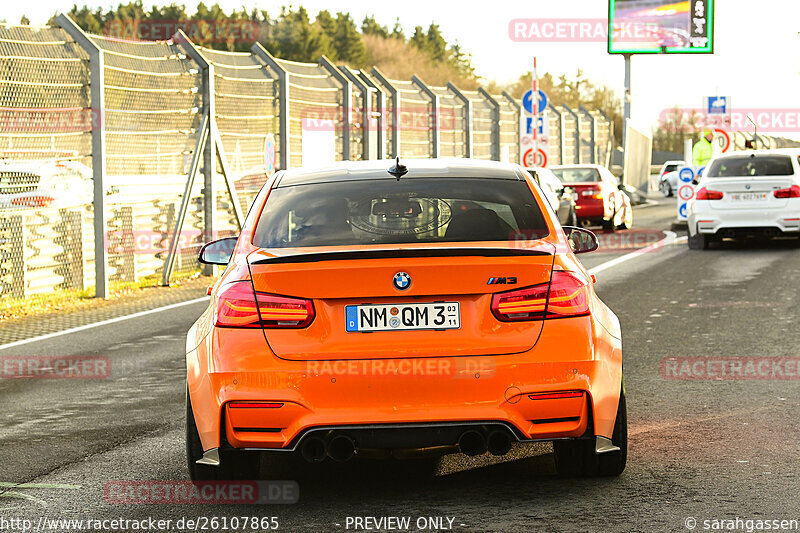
{"x": 44, "y": 183}
{"x": 754, "y": 194}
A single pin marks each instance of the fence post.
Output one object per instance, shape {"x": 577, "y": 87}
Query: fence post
{"x": 577, "y": 135}
{"x": 347, "y": 103}
{"x": 366, "y": 110}
{"x": 435, "y": 131}
{"x": 209, "y": 146}
{"x": 97, "y": 90}
{"x": 495, "y": 135}
{"x": 592, "y": 132}
{"x": 557, "y": 113}
{"x": 610, "y": 139}
{"x": 284, "y": 123}
{"x": 394, "y": 94}
{"x": 517, "y": 121}
{"x": 380, "y": 110}
{"x": 468, "y": 124}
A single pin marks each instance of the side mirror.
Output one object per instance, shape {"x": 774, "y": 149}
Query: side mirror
{"x": 218, "y": 252}
{"x": 581, "y": 240}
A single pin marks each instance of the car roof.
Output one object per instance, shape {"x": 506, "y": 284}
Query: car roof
{"x": 779, "y": 151}
{"x": 578, "y": 165}
{"x": 417, "y": 168}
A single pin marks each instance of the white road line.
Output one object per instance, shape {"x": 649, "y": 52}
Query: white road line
{"x": 669, "y": 239}
{"x": 102, "y": 323}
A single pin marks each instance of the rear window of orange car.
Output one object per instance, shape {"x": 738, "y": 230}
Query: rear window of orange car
{"x": 388, "y": 211}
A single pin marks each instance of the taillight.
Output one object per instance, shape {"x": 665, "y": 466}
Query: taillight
{"x": 705, "y": 194}
{"x": 592, "y": 193}
{"x": 32, "y": 201}
{"x": 791, "y": 192}
{"x": 239, "y": 307}
{"x": 564, "y": 296}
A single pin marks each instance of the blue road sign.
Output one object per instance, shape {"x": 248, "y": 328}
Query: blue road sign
{"x": 686, "y": 175}
{"x": 529, "y": 125}
{"x": 717, "y": 105}
{"x": 527, "y": 104}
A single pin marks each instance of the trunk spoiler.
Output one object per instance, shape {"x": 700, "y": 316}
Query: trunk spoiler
{"x": 400, "y": 253}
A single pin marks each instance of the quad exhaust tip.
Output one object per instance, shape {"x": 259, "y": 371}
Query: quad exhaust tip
{"x": 314, "y": 450}
{"x": 472, "y": 443}
{"x": 499, "y": 442}
{"x": 341, "y": 448}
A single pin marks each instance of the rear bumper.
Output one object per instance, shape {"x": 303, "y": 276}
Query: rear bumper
{"x": 733, "y": 222}
{"x": 590, "y": 209}
{"x": 316, "y": 395}
{"x": 529, "y": 419}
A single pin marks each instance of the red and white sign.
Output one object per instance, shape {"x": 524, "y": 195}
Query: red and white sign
{"x": 723, "y": 138}
{"x": 541, "y": 159}
{"x": 686, "y": 192}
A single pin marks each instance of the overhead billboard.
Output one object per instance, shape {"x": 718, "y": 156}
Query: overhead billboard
{"x": 661, "y": 26}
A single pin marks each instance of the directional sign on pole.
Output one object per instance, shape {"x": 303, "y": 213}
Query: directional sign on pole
{"x": 686, "y": 188}
{"x": 530, "y": 146}
{"x": 717, "y": 105}
{"x": 543, "y": 129}
{"x": 527, "y": 102}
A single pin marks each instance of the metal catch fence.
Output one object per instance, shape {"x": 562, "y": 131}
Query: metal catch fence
{"x": 102, "y": 138}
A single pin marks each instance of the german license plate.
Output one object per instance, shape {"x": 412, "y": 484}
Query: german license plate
{"x": 403, "y": 317}
{"x": 748, "y": 196}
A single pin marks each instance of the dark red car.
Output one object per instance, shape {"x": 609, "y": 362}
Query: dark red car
{"x": 600, "y": 200}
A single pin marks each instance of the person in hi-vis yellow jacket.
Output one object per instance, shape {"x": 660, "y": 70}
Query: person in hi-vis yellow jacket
{"x": 702, "y": 151}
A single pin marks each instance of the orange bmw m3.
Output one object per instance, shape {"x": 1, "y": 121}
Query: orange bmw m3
{"x": 394, "y": 307}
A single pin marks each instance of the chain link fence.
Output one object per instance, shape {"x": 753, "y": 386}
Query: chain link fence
{"x": 169, "y": 109}
{"x": 45, "y": 174}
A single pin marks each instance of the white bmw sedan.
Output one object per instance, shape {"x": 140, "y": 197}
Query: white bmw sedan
{"x": 746, "y": 194}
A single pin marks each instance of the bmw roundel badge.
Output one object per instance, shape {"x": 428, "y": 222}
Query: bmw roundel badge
{"x": 401, "y": 281}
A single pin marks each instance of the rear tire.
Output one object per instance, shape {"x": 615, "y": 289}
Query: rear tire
{"x": 576, "y": 458}
{"x": 234, "y": 464}
{"x": 698, "y": 241}
{"x": 666, "y": 189}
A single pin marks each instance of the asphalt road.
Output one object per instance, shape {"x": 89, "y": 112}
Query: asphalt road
{"x": 702, "y": 449}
